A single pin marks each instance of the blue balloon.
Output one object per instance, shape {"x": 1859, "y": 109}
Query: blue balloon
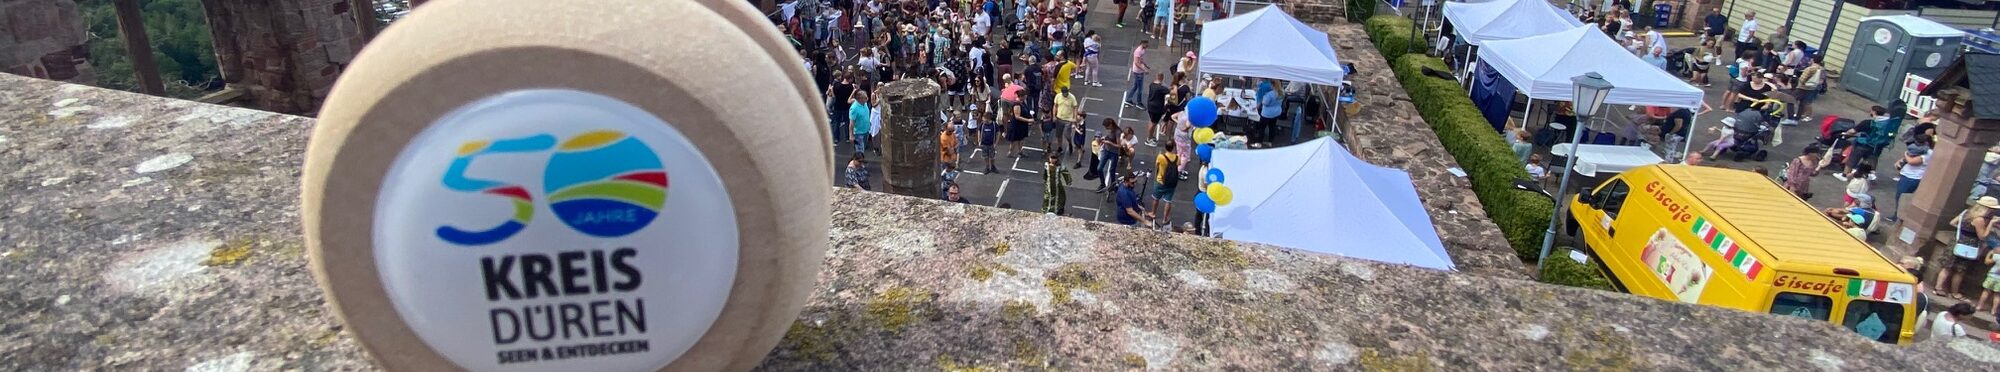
{"x": 1203, "y": 204}
{"x": 1214, "y": 175}
{"x": 1204, "y": 151}
{"x": 1201, "y": 112}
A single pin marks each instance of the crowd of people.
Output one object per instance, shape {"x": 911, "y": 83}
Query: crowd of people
{"x": 1009, "y": 70}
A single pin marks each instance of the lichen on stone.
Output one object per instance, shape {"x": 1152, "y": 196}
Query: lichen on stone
{"x": 1373, "y": 360}
{"x": 980, "y": 272}
{"x": 229, "y": 254}
{"x": 1135, "y": 361}
{"x": 895, "y": 308}
{"x": 1067, "y": 278}
{"x": 1017, "y": 310}
{"x": 813, "y": 342}
{"x": 1027, "y": 355}
{"x": 947, "y": 364}
{"x": 1217, "y": 254}
{"x": 1000, "y": 248}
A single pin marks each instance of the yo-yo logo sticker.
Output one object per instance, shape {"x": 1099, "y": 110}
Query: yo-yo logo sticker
{"x": 602, "y": 183}
{"x": 534, "y": 230}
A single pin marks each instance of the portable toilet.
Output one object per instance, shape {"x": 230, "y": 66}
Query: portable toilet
{"x": 1888, "y": 47}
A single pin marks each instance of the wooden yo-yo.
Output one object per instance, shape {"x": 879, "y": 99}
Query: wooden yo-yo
{"x": 614, "y": 186}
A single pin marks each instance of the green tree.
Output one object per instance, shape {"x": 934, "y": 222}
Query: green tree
{"x": 181, "y": 42}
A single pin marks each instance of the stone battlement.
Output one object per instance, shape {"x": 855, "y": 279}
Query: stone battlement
{"x": 144, "y": 233}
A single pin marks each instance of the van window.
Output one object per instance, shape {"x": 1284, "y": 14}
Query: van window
{"x": 1802, "y": 305}
{"x": 1881, "y": 321}
{"x": 1611, "y": 197}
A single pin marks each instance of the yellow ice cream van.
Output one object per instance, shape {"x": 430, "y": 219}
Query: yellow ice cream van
{"x": 1736, "y": 239}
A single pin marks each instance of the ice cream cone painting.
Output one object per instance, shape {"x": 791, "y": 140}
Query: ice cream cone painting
{"x": 1676, "y": 265}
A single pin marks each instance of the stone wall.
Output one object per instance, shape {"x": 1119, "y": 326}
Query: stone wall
{"x": 145, "y": 233}
{"x": 285, "y": 54}
{"x": 44, "y": 39}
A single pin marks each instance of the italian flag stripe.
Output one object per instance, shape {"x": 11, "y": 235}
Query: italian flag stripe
{"x": 1878, "y": 290}
{"x": 1699, "y": 224}
{"x": 1736, "y": 260}
{"x": 1854, "y": 287}
{"x": 1727, "y": 247}
{"x": 1754, "y": 269}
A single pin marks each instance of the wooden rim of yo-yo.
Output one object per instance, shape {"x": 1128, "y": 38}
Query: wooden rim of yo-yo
{"x": 666, "y": 58}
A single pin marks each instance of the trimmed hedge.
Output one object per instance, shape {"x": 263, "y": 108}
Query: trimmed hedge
{"x": 1561, "y": 270}
{"x": 1480, "y": 151}
{"x": 1391, "y": 35}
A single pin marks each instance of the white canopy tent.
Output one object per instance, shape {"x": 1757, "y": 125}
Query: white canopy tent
{"x": 1479, "y": 22}
{"x": 1318, "y": 197}
{"x": 1268, "y": 43}
{"x": 1542, "y": 66}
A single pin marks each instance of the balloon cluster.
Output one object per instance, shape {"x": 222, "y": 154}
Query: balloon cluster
{"x": 1201, "y": 112}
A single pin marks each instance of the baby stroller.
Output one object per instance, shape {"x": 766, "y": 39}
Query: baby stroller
{"x": 1680, "y": 62}
{"x": 1753, "y": 133}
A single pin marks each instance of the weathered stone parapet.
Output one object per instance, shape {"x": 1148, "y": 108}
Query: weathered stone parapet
{"x": 1388, "y": 132}
{"x": 145, "y": 233}
{"x": 285, "y": 54}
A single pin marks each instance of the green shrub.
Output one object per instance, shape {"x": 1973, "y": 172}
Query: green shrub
{"x": 1481, "y": 152}
{"x": 1391, "y": 35}
{"x": 1360, "y": 9}
{"x": 1561, "y": 270}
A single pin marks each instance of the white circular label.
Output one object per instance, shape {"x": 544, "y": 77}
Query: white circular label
{"x": 1933, "y": 60}
{"x": 555, "y": 229}
{"x": 1882, "y": 36}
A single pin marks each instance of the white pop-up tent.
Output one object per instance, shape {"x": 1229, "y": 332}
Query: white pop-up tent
{"x": 1479, "y": 22}
{"x": 1268, "y": 43}
{"x": 1318, "y": 197}
{"x": 1543, "y": 65}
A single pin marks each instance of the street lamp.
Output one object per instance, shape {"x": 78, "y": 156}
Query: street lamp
{"x": 1588, "y": 98}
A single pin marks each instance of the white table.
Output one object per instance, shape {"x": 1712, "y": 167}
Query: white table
{"x": 1606, "y": 158}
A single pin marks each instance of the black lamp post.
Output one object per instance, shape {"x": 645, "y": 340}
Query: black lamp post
{"x": 1591, "y": 89}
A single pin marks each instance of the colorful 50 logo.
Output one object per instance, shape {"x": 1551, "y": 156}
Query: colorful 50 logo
{"x": 603, "y": 183}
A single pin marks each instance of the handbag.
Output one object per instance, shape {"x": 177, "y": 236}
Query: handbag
{"x": 1962, "y": 250}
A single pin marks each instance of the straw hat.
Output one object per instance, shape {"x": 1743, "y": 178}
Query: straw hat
{"x": 1989, "y": 202}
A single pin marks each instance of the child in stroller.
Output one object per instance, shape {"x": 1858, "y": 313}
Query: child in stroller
{"x": 1747, "y": 134}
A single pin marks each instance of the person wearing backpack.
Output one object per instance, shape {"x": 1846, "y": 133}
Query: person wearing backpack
{"x": 1166, "y": 179}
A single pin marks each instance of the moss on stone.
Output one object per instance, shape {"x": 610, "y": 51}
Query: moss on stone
{"x": 1135, "y": 361}
{"x": 325, "y": 338}
{"x": 980, "y": 272}
{"x": 895, "y": 308}
{"x": 1373, "y": 360}
{"x": 229, "y": 254}
{"x": 815, "y": 343}
{"x": 1067, "y": 278}
{"x": 1000, "y": 248}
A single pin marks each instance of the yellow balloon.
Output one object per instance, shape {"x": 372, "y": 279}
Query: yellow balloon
{"x": 1203, "y": 135}
{"x": 1219, "y": 193}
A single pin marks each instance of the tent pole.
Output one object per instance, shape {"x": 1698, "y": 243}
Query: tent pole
{"x": 1530, "y": 110}
{"x": 1687, "y": 142}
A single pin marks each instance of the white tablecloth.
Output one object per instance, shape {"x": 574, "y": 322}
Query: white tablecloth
{"x": 1606, "y": 158}
{"x": 1246, "y": 106}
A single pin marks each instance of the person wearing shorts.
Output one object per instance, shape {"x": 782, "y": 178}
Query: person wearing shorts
{"x": 988, "y": 131}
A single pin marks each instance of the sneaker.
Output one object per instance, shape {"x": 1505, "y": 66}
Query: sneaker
{"x": 1871, "y": 176}
{"x": 1120, "y": 25}
{"x": 1151, "y": 143}
{"x": 1841, "y": 177}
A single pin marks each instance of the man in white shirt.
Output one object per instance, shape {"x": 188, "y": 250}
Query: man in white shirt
{"x": 981, "y": 24}
{"x": 1749, "y": 30}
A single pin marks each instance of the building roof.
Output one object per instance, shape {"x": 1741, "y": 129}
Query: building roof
{"x": 1982, "y": 73}
{"x": 1978, "y": 71}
